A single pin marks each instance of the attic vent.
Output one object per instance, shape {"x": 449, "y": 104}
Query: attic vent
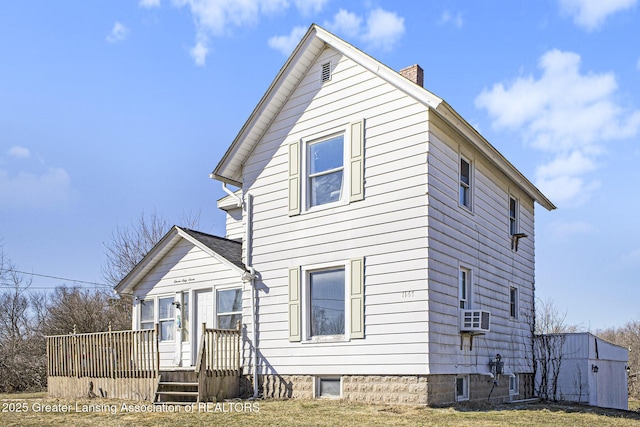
{"x": 326, "y": 72}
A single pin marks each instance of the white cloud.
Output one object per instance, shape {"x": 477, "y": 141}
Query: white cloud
{"x": 19, "y": 152}
{"x": 345, "y": 23}
{"x": 148, "y": 4}
{"x": 591, "y": 14}
{"x": 286, "y": 44}
{"x": 28, "y": 190}
{"x": 382, "y": 29}
{"x": 566, "y": 113}
{"x": 118, "y": 33}
{"x": 216, "y": 17}
{"x": 447, "y": 18}
{"x": 199, "y": 52}
{"x": 308, "y": 7}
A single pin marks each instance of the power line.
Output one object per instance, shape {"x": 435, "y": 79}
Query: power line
{"x": 63, "y": 278}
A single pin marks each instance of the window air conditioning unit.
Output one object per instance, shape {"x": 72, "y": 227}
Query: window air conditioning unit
{"x": 475, "y": 321}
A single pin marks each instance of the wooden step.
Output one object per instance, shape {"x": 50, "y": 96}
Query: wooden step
{"x": 178, "y": 393}
{"x": 174, "y": 403}
{"x": 177, "y": 384}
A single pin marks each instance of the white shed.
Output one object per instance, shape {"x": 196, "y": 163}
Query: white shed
{"x": 592, "y": 371}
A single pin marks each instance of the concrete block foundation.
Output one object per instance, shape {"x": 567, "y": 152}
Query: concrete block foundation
{"x": 431, "y": 390}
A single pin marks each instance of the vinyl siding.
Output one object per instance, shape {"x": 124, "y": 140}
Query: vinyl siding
{"x": 409, "y": 228}
{"x": 184, "y": 268}
{"x": 478, "y": 239}
{"x": 387, "y": 228}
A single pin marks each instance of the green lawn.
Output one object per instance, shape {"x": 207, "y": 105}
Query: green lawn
{"x": 35, "y": 409}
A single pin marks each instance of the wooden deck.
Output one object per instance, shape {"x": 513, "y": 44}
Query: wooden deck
{"x": 126, "y": 364}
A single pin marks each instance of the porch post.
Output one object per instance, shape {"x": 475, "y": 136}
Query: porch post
{"x": 157, "y": 338}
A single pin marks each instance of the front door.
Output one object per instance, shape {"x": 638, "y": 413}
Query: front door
{"x": 203, "y": 314}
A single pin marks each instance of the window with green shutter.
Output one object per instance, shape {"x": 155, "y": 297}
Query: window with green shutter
{"x": 326, "y": 302}
{"x": 326, "y": 169}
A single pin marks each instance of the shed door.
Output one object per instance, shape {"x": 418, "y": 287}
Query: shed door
{"x": 203, "y": 314}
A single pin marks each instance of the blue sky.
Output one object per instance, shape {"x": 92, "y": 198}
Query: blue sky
{"x": 109, "y": 109}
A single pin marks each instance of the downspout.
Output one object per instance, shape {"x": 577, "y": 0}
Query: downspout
{"x": 252, "y": 280}
{"x": 232, "y": 194}
{"x": 249, "y": 275}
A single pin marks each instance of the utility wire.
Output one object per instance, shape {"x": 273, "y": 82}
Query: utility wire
{"x": 63, "y": 278}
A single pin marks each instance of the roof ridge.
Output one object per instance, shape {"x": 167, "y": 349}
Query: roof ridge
{"x": 207, "y": 234}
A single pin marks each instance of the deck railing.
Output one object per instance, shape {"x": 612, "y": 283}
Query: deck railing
{"x": 218, "y": 363}
{"x": 113, "y": 354}
{"x": 219, "y": 350}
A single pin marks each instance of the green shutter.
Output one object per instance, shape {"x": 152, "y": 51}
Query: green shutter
{"x": 294, "y": 304}
{"x": 357, "y": 298}
{"x": 294, "y": 178}
{"x": 357, "y": 162}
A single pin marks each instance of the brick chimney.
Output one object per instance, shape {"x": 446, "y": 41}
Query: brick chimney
{"x": 415, "y": 73}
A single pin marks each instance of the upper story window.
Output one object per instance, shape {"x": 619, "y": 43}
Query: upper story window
{"x": 513, "y": 216}
{"x": 325, "y": 170}
{"x": 465, "y": 183}
{"x": 146, "y": 314}
{"x": 464, "y": 280}
{"x": 229, "y": 308}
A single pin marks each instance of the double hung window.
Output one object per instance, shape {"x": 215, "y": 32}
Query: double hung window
{"x": 166, "y": 318}
{"x": 327, "y": 302}
{"x": 229, "y": 308}
{"x": 146, "y": 314}
{"x": 513, "y": 302}
{"x": 465, "y": 183}
{"x": 464, "y": 279}
{"x": 513, "y": 216}
{"x": 325, "y": 170}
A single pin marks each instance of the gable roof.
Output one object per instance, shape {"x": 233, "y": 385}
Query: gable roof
{"x": 229, "y": 169}
{"x": 226, "y": 251}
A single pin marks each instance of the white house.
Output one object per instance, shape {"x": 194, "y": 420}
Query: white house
{"x": 590, "y": 370}
{"x": 388, "y": 247}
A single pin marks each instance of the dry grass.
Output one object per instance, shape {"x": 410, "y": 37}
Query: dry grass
{"x": 312, "y": 413}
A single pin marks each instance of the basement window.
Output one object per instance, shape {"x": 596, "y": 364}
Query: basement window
{"x": 513, "y": 384}
{"x": 329, "y": 388}
{"x": 462, "y": 388}
{"x": 326, "y": 72}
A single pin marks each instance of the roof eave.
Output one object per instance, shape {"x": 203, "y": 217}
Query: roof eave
{"x": 147, "y": 263}
{"x": 221, "y": 171}
{"x": 153, "y": 257}
{"x": 492, "y": 154}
